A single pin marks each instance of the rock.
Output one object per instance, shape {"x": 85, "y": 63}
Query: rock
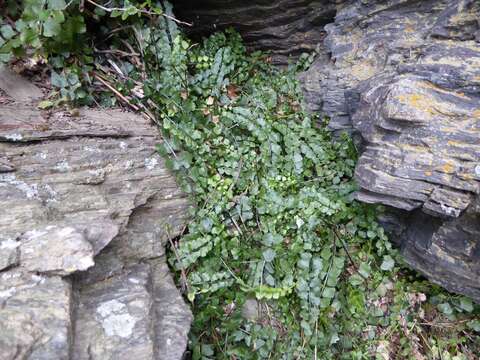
{"x": 251, "y": 310}
{"x": 403, "y": 77}
{"x": 173, "y": 317}
{"x": 285, "y": 27}
{"x": 90, "y": 207}
{"x": 409, "y": 78}
{"x": 136, "y": 312}
{"x": 18, "y": 87}
{"x": 56, "y": 250}
{"x": 114, "y": 319}
{"x": 413, "y": 151}
{"x": 8, "y": 252}
{"x": 35, "y": 316}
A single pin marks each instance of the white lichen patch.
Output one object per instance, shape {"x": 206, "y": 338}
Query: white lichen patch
{"x": 42, "y": 155}
{"x": 10, "y": 276}
{"x": 477, "y": 170}
{"x": 14, "y": 137}
{"x": 109, "y": 307}
{"x": 96, "y": 176}
{"x": 30, "y": 191}
{"x": 33, "y": 234}
{"x": 120, "y": 325}
{"x": 109, "y": 168}
{"x": 63, "y": 166}
{"x": 115, "y": 319}
{"x": 92, "y": 149}
{"x": 150, "y": 163}
{"x": 9, "y": 244}
{"x": 128, "y": 164}
{"x": 38, "y": 278}
{"x": 7, "y": 293}
{"x": 123, "y": 145}
{"x": 450, "y": 210}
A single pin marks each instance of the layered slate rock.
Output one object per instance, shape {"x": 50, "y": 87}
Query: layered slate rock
{"x": 114, "y": 317}
{"x": 35, "y": 316}
{"x": 86, "y": 208}
{"x": 403, "y": 77}
{"x": 287, "y": 28}
{"x": 409, "y": 76}
{"x": 66, "y": 248}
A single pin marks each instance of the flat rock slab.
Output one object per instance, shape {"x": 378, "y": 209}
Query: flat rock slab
{"x": 56, "y": 250}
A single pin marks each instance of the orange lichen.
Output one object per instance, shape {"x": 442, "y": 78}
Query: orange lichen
{"x": 448, "y": 168}
{"x": 418, "y": 101}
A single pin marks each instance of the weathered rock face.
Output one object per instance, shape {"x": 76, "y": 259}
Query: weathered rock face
{"x": 285, "y": 27}
{"x": 411, "y": 72}
{"x": 405, "y": 75}
{"x": 86, "y": 206}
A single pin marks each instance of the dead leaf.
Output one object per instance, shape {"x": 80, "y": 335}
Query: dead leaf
{"x": 206, "y": 111}
{"x": 74, "y": 112}
{"x": 210, "y": 100}
{"x": 215, "y": 119}
{"x": 232, "y": 91}
{"x": 184, "y": 95}
{"x": 138, "y": 91}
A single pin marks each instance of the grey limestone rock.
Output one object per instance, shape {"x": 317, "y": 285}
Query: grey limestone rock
{"x": 55, "y": 250}
{"x": 86, "y": 208}
{"x": 113, "y": 317}
{"x": 35, "y": 320}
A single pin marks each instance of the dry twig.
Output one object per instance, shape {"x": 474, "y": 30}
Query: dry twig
{"x": 116, "y": 92}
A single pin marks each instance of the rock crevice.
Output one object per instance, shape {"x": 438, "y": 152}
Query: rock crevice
{"x": 403, "y": 77}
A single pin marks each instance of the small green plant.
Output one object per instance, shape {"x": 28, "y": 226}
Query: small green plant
{"x": 55, "y": 32}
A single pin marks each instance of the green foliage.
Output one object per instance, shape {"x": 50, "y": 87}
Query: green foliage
{"x": 274, "y": 219}
{"x": 42, "y": 28}
{"x": 274, "y": 222}
{"x": 55, "y": 32}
